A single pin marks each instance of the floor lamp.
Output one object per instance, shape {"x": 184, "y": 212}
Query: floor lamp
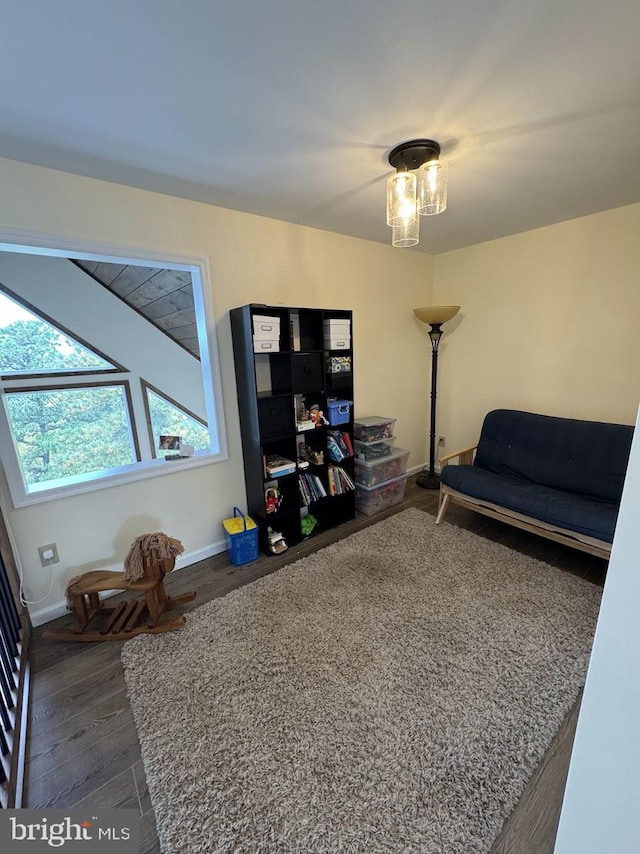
{"x": 435, "y": 316}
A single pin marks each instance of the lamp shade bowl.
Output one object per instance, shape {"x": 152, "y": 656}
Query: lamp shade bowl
{"x": 436, "y": 313}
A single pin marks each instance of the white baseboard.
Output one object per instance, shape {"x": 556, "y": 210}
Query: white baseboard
{"x": 59, "y": 609}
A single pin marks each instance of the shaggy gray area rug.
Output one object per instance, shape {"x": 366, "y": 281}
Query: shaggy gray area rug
{"x": 392, "y": 692}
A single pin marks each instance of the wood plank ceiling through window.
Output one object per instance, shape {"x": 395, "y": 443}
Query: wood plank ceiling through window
{"x": 163, "y": 297}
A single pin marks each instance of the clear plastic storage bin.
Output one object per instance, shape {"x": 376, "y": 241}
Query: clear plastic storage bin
{"x": 373, "y": 450}
{"x": 371, "y": 472}
{"x": 374, "y": 428}
{"x": 373, "y": 499}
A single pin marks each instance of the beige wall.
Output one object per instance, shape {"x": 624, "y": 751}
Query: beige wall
{"x": 549, "y": 324}
{"x": 251, "y": 259}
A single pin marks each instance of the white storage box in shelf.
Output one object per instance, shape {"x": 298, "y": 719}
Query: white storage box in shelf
{"x": 266, "y": 327}
{"x": 336, "y": 327}
{"x": 371, "y": 472}
{"x": 266, "y": 345}
{"x": 337, "y": 334}
{"x": 374, "y": 499}
{"x": 337, "y": 343}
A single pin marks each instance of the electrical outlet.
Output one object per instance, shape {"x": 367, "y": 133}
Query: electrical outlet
{"x": 441, "y": 441}
{"x": 48, "y": 554}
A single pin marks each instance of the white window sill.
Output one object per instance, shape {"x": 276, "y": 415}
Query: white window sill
{"x": 100, "y": 480}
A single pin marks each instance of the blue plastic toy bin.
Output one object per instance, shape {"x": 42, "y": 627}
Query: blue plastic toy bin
{"x": 339, "y": 411}
{"x": 241, "y": 534}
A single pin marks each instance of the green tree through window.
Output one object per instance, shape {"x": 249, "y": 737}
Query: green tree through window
{"x": 59, "y": 433}
{"x": 167, "y": 419}
{"x": 30, "y": 345}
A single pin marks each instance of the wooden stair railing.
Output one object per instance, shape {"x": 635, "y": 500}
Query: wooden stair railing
{"x": 15, "y": 637}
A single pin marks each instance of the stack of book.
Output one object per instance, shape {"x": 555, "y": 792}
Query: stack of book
{"x": 276, "y": 466}
{"x": 339, "y": 445}
{"x": 311, "y": 488}
{"x": 339, "y": 481}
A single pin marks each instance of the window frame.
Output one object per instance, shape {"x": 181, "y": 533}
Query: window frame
{"x": 198, "y": 267}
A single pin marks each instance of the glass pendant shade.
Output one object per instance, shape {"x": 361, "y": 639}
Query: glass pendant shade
{"x": 401, "y": 199}
{"x": 406, "y": 234}
{"x": 432, "y": 187}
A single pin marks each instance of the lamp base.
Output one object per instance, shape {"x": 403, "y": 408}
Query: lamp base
{"x": 428, "y": 481}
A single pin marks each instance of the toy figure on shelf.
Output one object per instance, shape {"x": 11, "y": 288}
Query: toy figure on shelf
{"x": 272, "y": 499}
{"x": 303, "y": 412}
{"x": 303, "y": 420}
{"x": 317, "y": 416}
{"x": 307, "y": 453}
{"x": 277, "y": 542}
{"x": 307, "y": 524}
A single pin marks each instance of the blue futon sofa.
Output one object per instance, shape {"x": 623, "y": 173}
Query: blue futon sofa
{"x": 558, "y": 477}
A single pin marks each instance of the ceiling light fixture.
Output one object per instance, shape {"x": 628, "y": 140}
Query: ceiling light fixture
{"x": 418, "y": 188}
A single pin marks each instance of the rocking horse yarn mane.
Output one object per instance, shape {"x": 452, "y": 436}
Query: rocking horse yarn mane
{"x": 149, "y": 548}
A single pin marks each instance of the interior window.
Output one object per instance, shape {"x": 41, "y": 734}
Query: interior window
{"x": 99, "y": 357}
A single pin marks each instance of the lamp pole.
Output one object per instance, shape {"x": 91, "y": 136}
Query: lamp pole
{"x": 431, "y": 479}
{"x": 435, "y": 316}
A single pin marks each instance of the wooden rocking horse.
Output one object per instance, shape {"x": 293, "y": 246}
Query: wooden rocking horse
{"x": 150, "y": 558}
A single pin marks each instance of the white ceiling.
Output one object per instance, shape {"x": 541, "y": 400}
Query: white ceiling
{"x": 289, "y": 108}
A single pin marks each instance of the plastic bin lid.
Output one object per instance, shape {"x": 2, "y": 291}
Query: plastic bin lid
{"x": 377, "y": 486}
{"x": 235, "y": 525}
{"x": 331, "y": 404}
{"x": 397, "y": 453}
{"x": 373, "y": 421}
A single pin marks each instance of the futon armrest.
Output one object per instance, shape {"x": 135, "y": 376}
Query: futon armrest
{"x": 465, "y": 455}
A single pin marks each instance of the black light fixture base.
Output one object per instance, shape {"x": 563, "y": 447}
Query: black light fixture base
{"x": 428, "y": 481}
{"x": 412, "y": 154}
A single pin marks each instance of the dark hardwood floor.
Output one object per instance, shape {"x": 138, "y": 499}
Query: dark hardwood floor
{"x": 83, "y": 749}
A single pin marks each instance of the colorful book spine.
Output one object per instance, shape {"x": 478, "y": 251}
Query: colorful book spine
{"x": 339, "y": 481}
{"x": 310, "y": 488}
{"x": 339, "y": 445}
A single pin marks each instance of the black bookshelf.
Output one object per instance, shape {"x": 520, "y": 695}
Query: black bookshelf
{"x": 280, "y": 378}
